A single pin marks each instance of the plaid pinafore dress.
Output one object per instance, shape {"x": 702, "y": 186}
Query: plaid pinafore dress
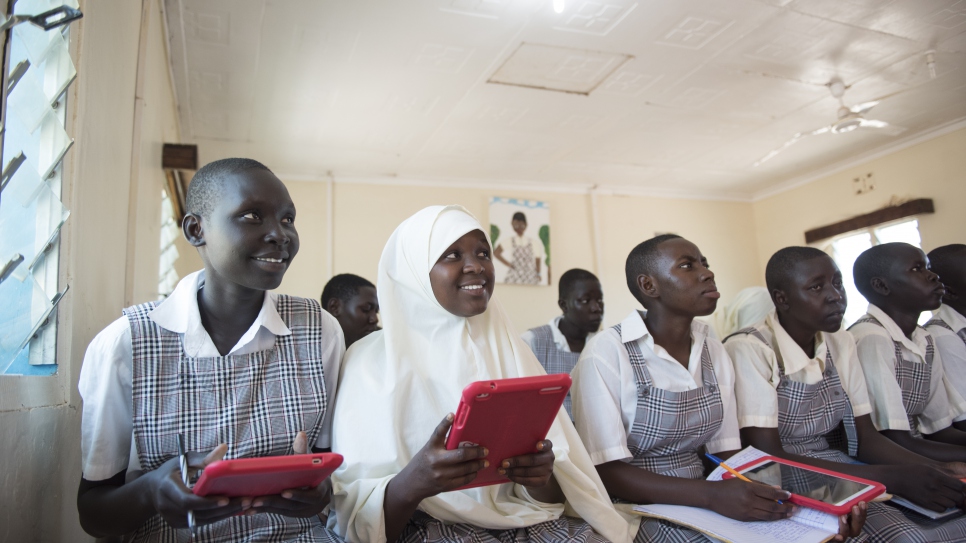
{"x": 256, "y": 403}
{"x": 941, "y": 323}
{"x": 669, "y": 430}
{"x": 553, "y": 359}
{"x": 913, "y": 377}
{"x": 807, "y": 414}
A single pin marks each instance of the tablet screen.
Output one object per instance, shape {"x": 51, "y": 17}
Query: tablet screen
{"x": 811, "y": 484}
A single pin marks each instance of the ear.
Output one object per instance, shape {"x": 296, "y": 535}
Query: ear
{"x": 879, "y": 286}
{"x": 648, "y": 286}
{"x": 192, "y": 230}
{"x": 562, "y": 304}
{"x": 780, "y": 299}
{"x": 334, "y": 307}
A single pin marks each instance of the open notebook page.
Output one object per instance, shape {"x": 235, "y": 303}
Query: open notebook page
{"x": 736, "y": 531}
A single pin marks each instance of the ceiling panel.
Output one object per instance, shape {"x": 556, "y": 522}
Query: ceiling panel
{"x": 381, "y": 87}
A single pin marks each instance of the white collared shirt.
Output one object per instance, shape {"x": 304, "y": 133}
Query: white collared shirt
{"x": 757, "y": 374}
{"x": 105, "y": 380}
{"x": 953, "y": 351}
{"x": 559, "y": 339}
{"x": 875, "y": 346}
{"x": 604, "y": 387}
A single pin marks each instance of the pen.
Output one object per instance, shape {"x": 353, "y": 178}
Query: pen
{"x": 184, "y": 479}
{"x": 731, "y": 470}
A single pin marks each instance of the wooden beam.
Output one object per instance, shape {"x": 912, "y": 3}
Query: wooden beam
{"x": 891, "y": 213}
{"x": 179, "y": 157}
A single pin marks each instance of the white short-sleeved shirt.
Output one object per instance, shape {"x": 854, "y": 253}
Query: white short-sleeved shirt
{"x": 757, "y": 374}
{"x": 952, "y": 349}
{"x": 559, "y": 339}
{"x": 604, "y": 387}
{"x": 875, "y": 346}
{"x": 107, "y": 445}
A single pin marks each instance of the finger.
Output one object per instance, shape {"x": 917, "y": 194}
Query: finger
{"x": 770, "y": 493}
{"x": 527, "y": 460}
{"x": 301, "y": 443}
{"x": 438, "y": 440}
{"x": 218, "y": 453}
{"x": 311, "y": 496}
{"x": 278, "y": 503}
{"x": 463, "y": 469}
{"x": 545, "y": 445}
{"x": 460, "y": 455}
{"x": 214, "y": 515}
{"x": 536, "y": 471}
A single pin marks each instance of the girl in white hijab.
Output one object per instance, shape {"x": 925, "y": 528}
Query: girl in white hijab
{"x": 442, "y": 331}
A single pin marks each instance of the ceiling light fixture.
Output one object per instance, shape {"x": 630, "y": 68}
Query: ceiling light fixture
{"x": 558, "y": 6}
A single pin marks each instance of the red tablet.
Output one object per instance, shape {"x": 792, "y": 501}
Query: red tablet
{"x": 266, "y": 475}
{"x": 508, "y": 417}
{"x": 828, "y": 491}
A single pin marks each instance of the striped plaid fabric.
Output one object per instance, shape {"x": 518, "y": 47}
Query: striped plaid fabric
{"x": 553, "y": 359}
{"x": 255, "y": 403}
{"x": 670, "y": 427}
{"x": 423, "y": 528}
{"x": 939, "y": 322}
{"x": 913, "y": 378}
{"x": 809, "y": 413}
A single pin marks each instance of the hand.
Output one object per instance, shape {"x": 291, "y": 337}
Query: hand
{"x": 745, "y": 501}
{"x": 851, "y": 525}
{"x": 530, "y": 470}
{"x": 172, "y": 499}
{"x": 296, "y": 502}
{"x": 928, "y": 487}
{"x": 435, "y": 469}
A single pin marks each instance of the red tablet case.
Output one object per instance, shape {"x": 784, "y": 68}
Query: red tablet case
{"x": 508, "y": 417}
{"x": 877, "y": 488}
{"x": 266, "y": 475}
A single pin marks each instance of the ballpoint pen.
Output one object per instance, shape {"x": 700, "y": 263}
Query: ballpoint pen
{"x": 731, "y": 470}
{"x": 184, "y": 479}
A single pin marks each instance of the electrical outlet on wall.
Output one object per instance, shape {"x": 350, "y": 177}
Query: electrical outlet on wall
{"x": 863, "y": 183}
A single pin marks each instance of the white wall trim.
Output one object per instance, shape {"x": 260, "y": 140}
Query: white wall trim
{"x": 857, "y": 160}
{"x": 517, "y": 186}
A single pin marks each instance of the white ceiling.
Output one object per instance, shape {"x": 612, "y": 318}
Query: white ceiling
{"x": 400, "y": 87}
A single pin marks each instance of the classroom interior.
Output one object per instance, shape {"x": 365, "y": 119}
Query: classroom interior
{"x": 629, "y": 117}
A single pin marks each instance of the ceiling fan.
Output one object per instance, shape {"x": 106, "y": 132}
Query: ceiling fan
{"x": 849, "y": 119}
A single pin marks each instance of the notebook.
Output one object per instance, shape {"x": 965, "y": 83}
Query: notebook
{"x": 807, "y": 526}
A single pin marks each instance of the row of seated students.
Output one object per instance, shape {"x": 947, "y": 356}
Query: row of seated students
{"x": 239, "y": 371}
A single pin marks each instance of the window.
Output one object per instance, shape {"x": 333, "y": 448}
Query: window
{"x": 38, "y": 71}
{"x": 846, "y": 248}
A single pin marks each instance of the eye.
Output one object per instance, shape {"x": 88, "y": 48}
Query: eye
{"x": 686, "y": 265}
{"x": 815, "y": 287}
{"x": 288, "y": 220}
{"x": 252, "y": 215}
{"x": 484, "y": 253}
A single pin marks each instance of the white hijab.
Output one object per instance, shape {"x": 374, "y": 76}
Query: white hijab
{"x": 398, "y": 384}
{"x": 750, "y": 306}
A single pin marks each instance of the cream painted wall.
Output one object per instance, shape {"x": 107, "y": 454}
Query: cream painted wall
{"x": 933, "y": 169}
{"x": 40, "y": 439}
{"x": 366, "y": 214}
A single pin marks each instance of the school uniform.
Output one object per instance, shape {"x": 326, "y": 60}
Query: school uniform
{"x": 552, "y": 350}
{"x": 635, "y": 403}
{"x": 948, "y": 329}
{"x": 155, "y": 373}
{"x": 904, "y": 376}
{"x": 812, "y": 401}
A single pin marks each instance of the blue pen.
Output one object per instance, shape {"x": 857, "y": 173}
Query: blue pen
{"x": 731, "y": 470}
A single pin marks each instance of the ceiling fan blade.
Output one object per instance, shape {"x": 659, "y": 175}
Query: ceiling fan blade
{"x": 864, "y": 107}
{"x": 771, "y": 154}
{"x": 872, "y": 123}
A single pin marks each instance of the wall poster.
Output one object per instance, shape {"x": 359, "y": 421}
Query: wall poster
{"x": 520, "y": 233}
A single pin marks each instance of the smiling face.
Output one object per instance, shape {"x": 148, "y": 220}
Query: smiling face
{"x": 462, "y": 278}
{"x": 249, "y": 238}
{"x": 813, "y": 295}
{"x": 912, "y": 286}
{"x": 359, "y": 316}
{"x": 682, "y": 279}
{"x": 584, "y": 306}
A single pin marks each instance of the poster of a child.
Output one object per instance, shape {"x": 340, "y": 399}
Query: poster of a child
{"x": 520, "y": 233}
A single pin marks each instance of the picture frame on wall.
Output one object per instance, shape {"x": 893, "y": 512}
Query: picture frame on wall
{"x": 520, "y": 234}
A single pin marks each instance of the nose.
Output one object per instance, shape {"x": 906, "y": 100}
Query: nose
{"x": 596, "y": 307}
{"x": 708, "y": 275}
{"x": 933, "y": 276}
{"x": 277, "y": 234}
{"x": 472, "y": 264}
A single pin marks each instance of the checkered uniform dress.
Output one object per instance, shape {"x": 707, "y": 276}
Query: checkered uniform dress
{"x": 668, "y": 431}
{"x": 524, "y": 270}
{"x": 423, "y": 528}
{"x": 939, "y": 322}
{"x": 256, "y": 403}
{"x": 806, "y": 413}
{"x": 913, "y": 379}
{"x": 553, "y": 359}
